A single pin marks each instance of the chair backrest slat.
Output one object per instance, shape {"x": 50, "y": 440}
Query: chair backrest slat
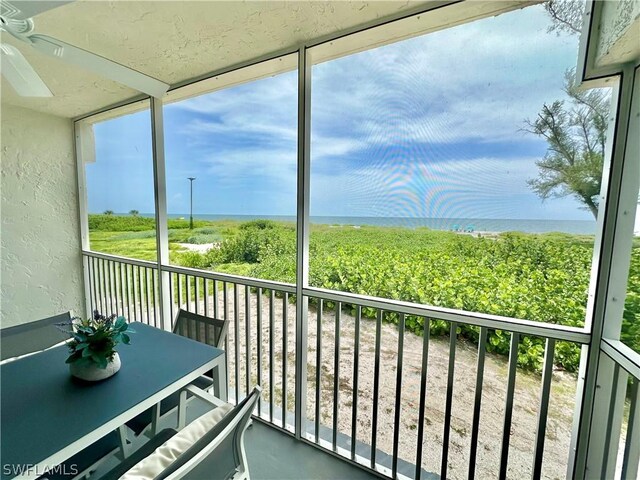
{"x": 33, "y": 336}
{"x": 200, "y": 328}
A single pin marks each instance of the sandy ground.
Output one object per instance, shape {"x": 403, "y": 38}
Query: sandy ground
{"x": 202, "y": 248}
{"x": 526, "y": 400}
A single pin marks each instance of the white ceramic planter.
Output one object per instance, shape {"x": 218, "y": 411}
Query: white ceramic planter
{"x": 92, "y": 373}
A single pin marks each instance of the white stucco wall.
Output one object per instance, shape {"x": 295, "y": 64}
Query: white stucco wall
{"x": 40, "y": 260}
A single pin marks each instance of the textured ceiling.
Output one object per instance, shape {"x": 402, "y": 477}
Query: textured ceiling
{"x": 175, "y": 41}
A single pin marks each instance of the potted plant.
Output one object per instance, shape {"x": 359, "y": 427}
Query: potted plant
{"x": 92, "y": 350}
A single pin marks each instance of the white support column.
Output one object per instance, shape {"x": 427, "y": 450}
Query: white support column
{"x": 606, "y": 282}
{"x": 302, "y": 237}
{"x": 83, "y": 210}
{"x": 160, "y": 195}
{"x": 626, "y": 215}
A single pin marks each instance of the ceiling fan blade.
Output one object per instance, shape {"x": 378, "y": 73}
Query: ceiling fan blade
{"x": 20, "y": 74}
{"x": 23, "y": 9}
{"x": 99, "y": 65}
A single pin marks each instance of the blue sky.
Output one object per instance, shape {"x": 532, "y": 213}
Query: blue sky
{"x": 427, "y": 127}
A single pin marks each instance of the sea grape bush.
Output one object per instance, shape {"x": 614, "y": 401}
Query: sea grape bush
{"x": 535, "y": 277}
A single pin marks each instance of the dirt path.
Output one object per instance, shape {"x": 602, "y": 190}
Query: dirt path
{"x": 526, "y": 400}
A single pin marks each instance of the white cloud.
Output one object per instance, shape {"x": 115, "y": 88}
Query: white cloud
{"x": 476, "y": 81}
{"x": 387, "y": 108}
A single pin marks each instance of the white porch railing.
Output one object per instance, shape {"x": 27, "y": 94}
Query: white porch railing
{"x": 366, "y": 394}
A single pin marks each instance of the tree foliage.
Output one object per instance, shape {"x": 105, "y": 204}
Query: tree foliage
{"x": 566, "y": 15}
{"x": 575, "y": 132}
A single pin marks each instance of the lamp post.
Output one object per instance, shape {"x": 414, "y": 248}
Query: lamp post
{"x": 191, "y": 179}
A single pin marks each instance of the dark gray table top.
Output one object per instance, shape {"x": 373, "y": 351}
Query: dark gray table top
{"x": 43, "y": 409}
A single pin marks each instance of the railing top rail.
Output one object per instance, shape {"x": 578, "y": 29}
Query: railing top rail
{"x": 622, "y": 355}
{"x": 117, "y": 258}
{"x": 527, "y": 327}
{"x": 225, "y": 277}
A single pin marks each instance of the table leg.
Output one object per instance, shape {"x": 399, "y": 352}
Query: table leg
{"x": 124, "y": 446}
{"x": 220, "y": 379}
{"x": 155, "y": 419}
{"x": 182, "y": 410}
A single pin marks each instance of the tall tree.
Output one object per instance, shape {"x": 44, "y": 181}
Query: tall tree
{"x": 575, "y": 132}
{"x": 574, "y": 129}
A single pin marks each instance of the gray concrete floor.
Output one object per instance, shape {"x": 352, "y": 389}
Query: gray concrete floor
{"x": 274, "y": 455}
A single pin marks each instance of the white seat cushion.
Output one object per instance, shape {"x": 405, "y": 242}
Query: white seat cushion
{"x": 168, "y": 452}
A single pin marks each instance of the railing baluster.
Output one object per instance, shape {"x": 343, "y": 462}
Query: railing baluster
{"x": 225, "y": 306}
{"x": 148, "y": 294}
{"x": 336, "y": 375}
{"x": 354, "y": 390}
{"x": 92, "y": 284}
{"x": 113, "y": 284}
{"x": 171, "y": 297}
{"x": 179, "y": 287}
{"x": 376, "y": 391}
{"x": 398, "y": 406}
{"x": 154, "y": 297}
{"x": 205, "y": 285}
{"x": 197, "y": 293}
{"x": 128, "y": 290}
{"x": 547, "y": 374}
{"x": 508, "y": 409}
{"x": 141, "y": 282}
{"x": 141, "y": 292}
{"x": 207, "y": 334}
{"x": 103, "y": 289}
{"x": 236, "y": 338}
{"x": 272, "y": 357}
{"x": 137, "y": 301}
{"x": 188, "y": 290}
{"x": 423, "y": 395}
{"x": 94, "y": 274}
{"x": 449, "y": 401}
{"x": 215, "y": 299}
{"x": 111, "y": 274}
{"x": 631, "y": 456}
{"x": 614, "y": 420}
{"x": 318, "y": 367}
{"x": 96, "y": 283}
{"x": 285, "y": 320}
{"x": 259, "y": 345}
{"x": 118, "y": 288}
{"x": 247, "y": 318}
{"x": 107, "y": 288}
{"x": 99, "y": 291}
{"x": 475, "y": 426}
{"x": 191, "y": 325}
{"x": 121, "y": 270}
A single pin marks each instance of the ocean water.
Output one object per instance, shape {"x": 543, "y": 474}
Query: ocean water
{"x": 582, "y": 227}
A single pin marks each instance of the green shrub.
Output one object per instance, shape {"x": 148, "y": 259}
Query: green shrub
{"x": 543, "y": 278}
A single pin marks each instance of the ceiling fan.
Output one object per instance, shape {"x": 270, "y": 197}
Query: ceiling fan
{"x": 15, "y": 19}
